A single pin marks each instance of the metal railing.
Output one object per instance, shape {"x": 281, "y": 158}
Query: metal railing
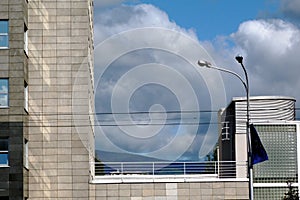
{"x": 219, "y": 169}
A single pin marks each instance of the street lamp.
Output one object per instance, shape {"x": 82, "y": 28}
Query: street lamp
{"x": 239, "y": 59}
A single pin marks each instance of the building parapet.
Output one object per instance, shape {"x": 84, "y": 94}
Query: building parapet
{"x": 127, "y": 172}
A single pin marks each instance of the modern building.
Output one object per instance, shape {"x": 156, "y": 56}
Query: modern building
{"x": 46, "y": 96}
{"x": 273, "y": 117}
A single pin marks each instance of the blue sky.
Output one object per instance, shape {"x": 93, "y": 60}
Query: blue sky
{"x": 211, "y": 18}
{"x": 146, "y": 55}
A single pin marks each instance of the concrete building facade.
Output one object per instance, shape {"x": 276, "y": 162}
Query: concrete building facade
{"x": 206, "y": 190}
{"x": 60, "y": 70}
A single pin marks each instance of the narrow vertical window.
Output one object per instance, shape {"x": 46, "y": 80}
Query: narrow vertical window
{"x": 25, "y": 96}
{"x": 4, "y": 93}
{"x": 26, "y": 154}
{"x": 4, "y": 38}
{"x": 3, "y": 151}
{"x": 25, "y": 39}
{"x": 225, "y": 131}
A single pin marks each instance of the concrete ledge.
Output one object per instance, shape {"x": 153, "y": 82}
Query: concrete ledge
{"x": 133, "y": 178}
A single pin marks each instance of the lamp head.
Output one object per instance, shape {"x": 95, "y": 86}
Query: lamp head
{"x": 239, "y": 58}
{"x": 203, "y": 63}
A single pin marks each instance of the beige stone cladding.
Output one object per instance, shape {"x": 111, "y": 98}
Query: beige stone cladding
{"x": 61, "y": 96}
{"x": 173, "y": 191}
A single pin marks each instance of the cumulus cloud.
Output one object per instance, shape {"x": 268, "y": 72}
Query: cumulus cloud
{"x": 145, "y": 62}
{"x": 272, "y": 48}
{"x": 124, "y": 17}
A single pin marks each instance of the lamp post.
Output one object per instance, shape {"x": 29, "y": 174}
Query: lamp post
{"x": 246, "y": 86}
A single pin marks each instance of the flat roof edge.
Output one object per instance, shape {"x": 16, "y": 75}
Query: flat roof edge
{"x": 264, "y": 98}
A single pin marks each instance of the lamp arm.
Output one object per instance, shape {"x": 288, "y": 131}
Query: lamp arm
{"x": 235, "y": 74}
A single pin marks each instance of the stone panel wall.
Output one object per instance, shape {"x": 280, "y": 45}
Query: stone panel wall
{"x": 173, "y": 191}
{"x": 60, "y": 134}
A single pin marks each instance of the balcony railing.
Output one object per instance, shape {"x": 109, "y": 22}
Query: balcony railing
{"x": 206, "y": 169}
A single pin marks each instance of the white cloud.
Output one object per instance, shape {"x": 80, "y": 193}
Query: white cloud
{"x": 137, "y": 46}
{"x": 272, "y": 48}
{"x": 273, "y": 37}
{"x": 124, "y": 18}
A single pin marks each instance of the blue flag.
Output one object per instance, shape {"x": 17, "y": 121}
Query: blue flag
{"x": 259, "y": 153}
